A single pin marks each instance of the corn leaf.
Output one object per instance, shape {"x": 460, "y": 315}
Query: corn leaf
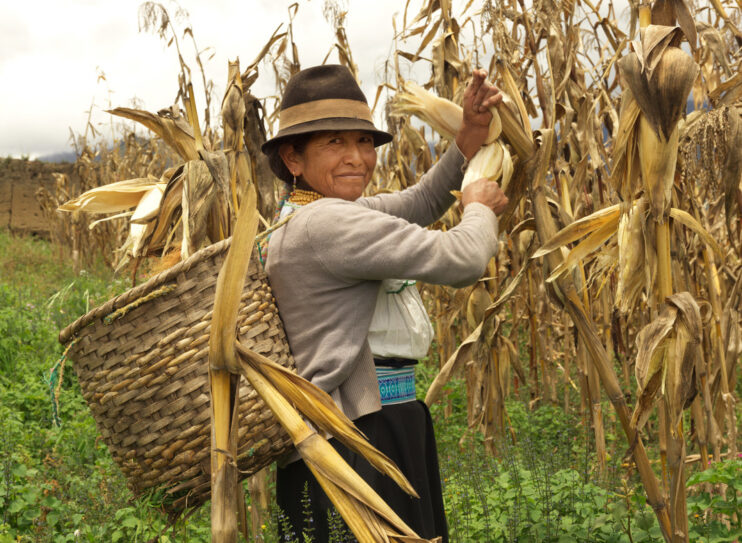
{"x": 368, "y": 516}
{"x": 579, "y": 228}
{"x": 169, "y": 124}
{"x": 687, "y": 220}
{"x": 652, "y": 344}
{"x": 321, "y": 410}
{"x": 587, "y": 246}
{"x": 230, "y": 283}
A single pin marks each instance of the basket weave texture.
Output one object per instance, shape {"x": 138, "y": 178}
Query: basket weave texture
{"x": 142, "y": 362}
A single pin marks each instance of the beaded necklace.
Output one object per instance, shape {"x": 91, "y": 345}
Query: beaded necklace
{"x": 294, "y": 200}
{"x": 303, "y": 197}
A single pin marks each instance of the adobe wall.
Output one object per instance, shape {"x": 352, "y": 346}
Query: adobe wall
{"x": 19, "y": 181}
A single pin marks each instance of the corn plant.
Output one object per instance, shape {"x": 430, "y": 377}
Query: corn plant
{"x": 623, "y": 234}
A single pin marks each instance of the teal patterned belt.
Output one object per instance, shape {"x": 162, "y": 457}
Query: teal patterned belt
{"x": 396, "y": 385}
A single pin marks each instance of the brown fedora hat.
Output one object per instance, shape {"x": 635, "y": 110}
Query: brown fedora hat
{"x": 323, "y": 98}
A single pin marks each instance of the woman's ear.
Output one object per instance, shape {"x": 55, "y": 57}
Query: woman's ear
{"x": 291, "y": 159}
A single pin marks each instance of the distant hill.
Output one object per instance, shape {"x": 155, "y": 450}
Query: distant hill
{"x": 70, "y": 156}
{"x": 61, "y": 156}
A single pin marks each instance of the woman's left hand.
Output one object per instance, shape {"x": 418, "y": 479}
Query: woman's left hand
{"x": 479, "y": 96}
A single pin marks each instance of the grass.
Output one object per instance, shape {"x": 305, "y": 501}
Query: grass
{"x": 59, "y": 484}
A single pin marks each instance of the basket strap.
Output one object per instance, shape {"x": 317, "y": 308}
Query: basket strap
{"x": 169, "y": 275}
{"x": 265, "y": 235}
{"x": 165, "y": 289}
{"x": 56, "y": 373}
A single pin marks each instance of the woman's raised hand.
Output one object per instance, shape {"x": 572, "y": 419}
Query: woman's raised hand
{"x": 485, "y": 192}
{"x": 479, "y": 96}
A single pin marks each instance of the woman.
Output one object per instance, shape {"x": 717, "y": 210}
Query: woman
{"x": 326, "y": 264}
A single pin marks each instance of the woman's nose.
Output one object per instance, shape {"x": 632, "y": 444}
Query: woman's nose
{"x": 353, "y": 154}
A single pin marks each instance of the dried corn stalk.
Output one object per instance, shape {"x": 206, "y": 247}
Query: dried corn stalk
{"x": 572, "y": 90}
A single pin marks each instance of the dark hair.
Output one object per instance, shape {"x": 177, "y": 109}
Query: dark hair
{"x": 299, "y": 142}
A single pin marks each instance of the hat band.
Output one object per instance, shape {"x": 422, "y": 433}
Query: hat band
{"x": 323, "y": 109}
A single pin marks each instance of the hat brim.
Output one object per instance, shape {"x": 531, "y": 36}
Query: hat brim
{"x": 324, "y": 125}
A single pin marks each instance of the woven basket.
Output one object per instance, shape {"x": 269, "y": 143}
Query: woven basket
{"x": 142, "y": 362}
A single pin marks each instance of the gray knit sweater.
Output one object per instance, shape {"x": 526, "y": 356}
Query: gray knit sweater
{"x": 326, "y": 263}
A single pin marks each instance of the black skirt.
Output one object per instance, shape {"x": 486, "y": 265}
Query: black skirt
{"x": 404, "y": 432}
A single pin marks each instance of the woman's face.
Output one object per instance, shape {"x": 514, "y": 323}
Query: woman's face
{"x": 336, "y": 164}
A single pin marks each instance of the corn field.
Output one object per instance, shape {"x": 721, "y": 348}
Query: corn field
{"x": 619, "y": 274}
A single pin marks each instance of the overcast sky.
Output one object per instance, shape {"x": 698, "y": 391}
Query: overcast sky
{"x": 51, "y": 53}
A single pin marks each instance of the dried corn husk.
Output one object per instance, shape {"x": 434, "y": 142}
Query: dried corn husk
{"x": 579, "y": 228}
{"x": 142, "y": 225}
{"x": 625, "y": 174}
{"x": 324, "y": 414}
{"x": 589, "y": 245}
{"x": 657, "y": 157}
{"x": 442, "y": 115}
{"x": 110, "y": 218}
{"x": 149, "y": 206}
{"x": 632, "y": 265}
{"x": 478, "y": 301}
{"x": 370, "y": 519}
{"x": 136, "y": 243}
{"x": 223, "y": 379}
{"x": 199, "y": 193}
{"x": 169, "y": 206}
{"x": 515, "y": 128}
{"x": 446, "y": 117}
{"x": 492, "y": 161}
{"x": 687, "y": 220}
{"x": 668, "y": 349}
{"x": 660, "y": 76}
{"x": 112, "y": 198}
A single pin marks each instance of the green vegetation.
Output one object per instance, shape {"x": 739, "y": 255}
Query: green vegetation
{"x": 59, "y": 484}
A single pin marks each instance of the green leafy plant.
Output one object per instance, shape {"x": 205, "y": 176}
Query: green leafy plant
{"x": 715, "y": 501}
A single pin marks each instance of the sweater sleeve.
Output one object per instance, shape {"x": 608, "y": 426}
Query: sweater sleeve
{"x": 355, "y": 243}
{"x": 426, "y": 201}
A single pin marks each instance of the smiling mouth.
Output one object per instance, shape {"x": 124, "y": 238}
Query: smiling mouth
{"x": 361, "y": 175}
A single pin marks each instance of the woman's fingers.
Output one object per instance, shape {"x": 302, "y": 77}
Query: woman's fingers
{"x": 484, "y": 94}
{"x": 472, "y": 89}
{"x": 479, "y": 97}
{"x": 477, "y": 78}
{"x": 485, "y": 192}
{"x": 488, "y": 95}
{"x": 493, "y": 97}
{"x": 501, "y": 204}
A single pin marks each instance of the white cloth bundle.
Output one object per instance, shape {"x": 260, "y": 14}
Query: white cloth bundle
{"x": 400, "y": 327}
